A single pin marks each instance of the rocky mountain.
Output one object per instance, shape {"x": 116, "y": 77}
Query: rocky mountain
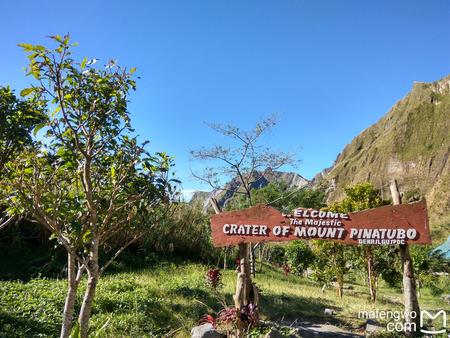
{"x": 411, "y": 143}
{"x": 224, "y": 196}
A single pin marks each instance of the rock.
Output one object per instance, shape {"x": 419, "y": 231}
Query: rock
{"x": 446, "y": 298}
{"x": 373, "y": 326}
{"x": 205, "y": 331}
{"x": 273, "y": 333}
{"x": 328, "y": 312}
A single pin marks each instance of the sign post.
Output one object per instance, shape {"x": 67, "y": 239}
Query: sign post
{"x": 409, "y": 282}
{"x": 399, "y": 224}
{"x": 243, "y": 284}
{"x": 386, "y": 225}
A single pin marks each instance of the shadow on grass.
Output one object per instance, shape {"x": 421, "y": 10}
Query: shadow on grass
{"x": 12, "y": 326}
{"x": 275, "y": 307}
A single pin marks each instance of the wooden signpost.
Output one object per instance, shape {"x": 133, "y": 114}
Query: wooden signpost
{"x": 386, "y": 225}
{"x": 399, "y": 224}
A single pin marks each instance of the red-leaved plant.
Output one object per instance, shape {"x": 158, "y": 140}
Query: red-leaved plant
{"x": 213, "y": 278}
{"x": 286, "y": 269}
{"x": 226, "y": 318}
{"x": 250, "y": 314}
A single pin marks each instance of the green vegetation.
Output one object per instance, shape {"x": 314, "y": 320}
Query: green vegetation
{"x": 279, "y": 195}
{"x": 170, "y": 298}
{"x": 18, "y": 117}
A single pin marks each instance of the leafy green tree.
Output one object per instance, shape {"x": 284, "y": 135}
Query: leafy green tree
{"x": 281, "y": 196}
{"x": 425, "y": 264}
{"x": 90, "y": 180}
{"x": 18, "y": 117}
{"x": 299, "y": 256}
{"x": 332, "y": 262}
{"x": 375, "y": 258}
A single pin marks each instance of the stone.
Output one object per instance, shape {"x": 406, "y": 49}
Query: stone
{"x": 328, "y": 312}
{"x": 205, "y": 331}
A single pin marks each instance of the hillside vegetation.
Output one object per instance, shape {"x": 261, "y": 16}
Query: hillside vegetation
{"x": 411, "y": 143}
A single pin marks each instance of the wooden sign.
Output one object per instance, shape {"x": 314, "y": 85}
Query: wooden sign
{"x": 387, "y": 225}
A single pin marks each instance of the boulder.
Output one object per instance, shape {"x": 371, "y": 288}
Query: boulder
{"x": 205, "y": 331}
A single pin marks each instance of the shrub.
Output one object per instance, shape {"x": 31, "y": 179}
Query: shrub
{"x": 277, "y": 255}
{"x": 299, "y": 256}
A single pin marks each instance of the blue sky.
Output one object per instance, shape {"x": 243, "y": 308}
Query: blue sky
{"x": 329, "y": 68}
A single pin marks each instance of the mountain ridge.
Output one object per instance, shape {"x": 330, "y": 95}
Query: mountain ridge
{"x": 410, "y": 143}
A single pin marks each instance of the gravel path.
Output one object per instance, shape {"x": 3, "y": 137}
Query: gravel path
{"x": 311, "y": 330}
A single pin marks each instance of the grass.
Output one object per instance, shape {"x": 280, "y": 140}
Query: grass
{"x": 170, "y": 298}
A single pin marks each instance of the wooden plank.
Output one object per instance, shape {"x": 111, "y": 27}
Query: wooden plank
{"x": 393, "y": 224}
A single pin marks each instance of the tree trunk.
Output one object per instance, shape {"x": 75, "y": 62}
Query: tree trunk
{"x": 409, "y": 287}
{"x": 261, "y": 254}
{"x": 239, "y": 304}
{"x": 252, "y": 260}
{"x": 371, "y": 275}
{"x": 245, "y": 269}
{"x": 340, "y": 285}
{"x": 244, "y": 283}
{"x": 93, "y": 277}
{"x": 225, "y": 258}
{"x": 419, "y": 293}
{"x": 73, "y": 280}
{"x": 409, "y": 282}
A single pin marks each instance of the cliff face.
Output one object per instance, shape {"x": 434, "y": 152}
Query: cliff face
{"x": 223, "y": 197}
{"x": 411, "y": 143}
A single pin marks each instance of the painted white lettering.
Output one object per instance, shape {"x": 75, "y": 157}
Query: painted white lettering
{"x": 226, "y": 228}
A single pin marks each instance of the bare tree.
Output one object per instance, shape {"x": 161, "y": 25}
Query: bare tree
{"x": 247, "y": 161}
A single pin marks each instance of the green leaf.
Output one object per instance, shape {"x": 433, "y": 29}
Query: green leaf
{"x": 87, "y": 236}
{"x": 83, "y": 63}
{"x": 75, "y": 331}
{"x": 132, "y": 70}
{"x": 113, "y": 174}
{"x": 26, "y": 46}
{"x": 56, "y": 111}
{"x": 39, "y": 127}
{"x": 26, "y": 91}
{"x": 40, "y": 48}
